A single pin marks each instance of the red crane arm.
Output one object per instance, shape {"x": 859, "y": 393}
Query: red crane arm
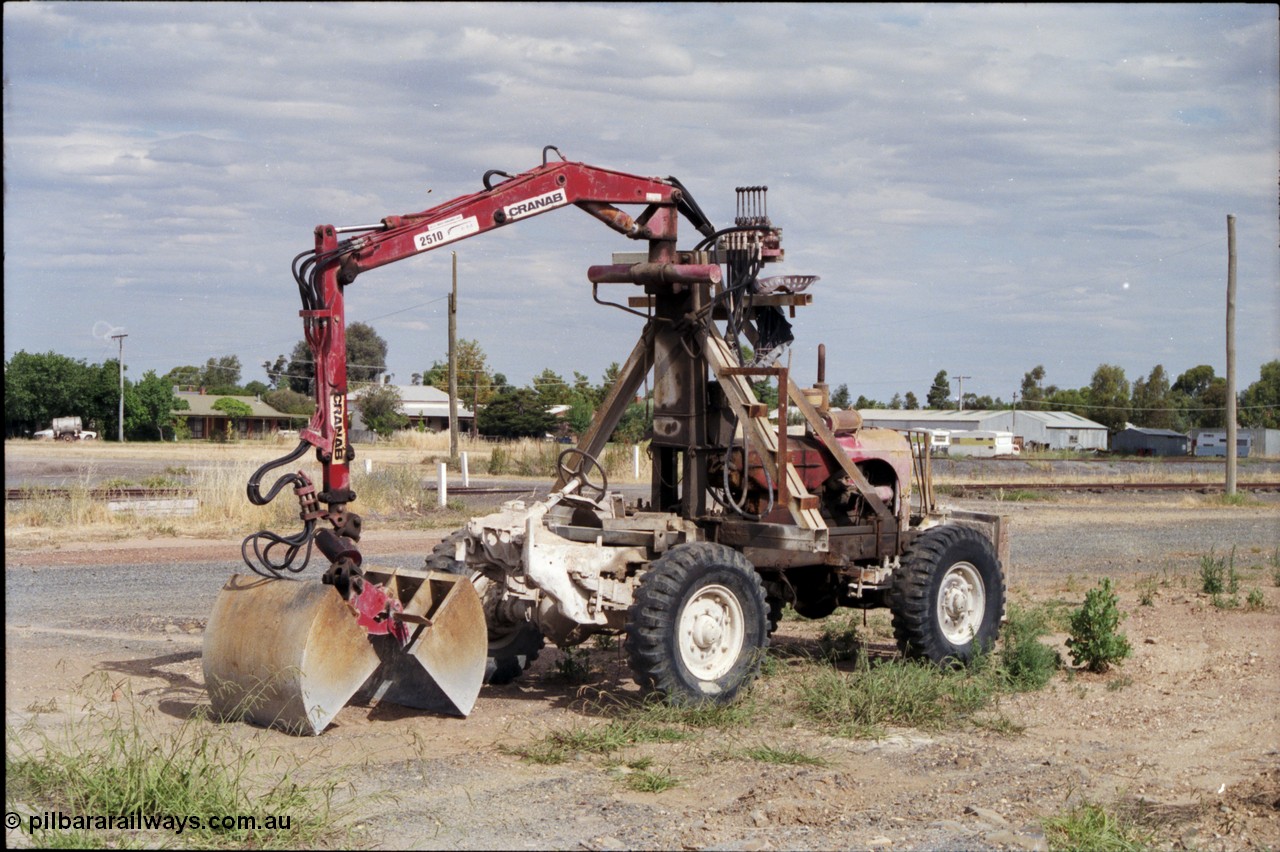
{"x": 530, "y": 193}
{"x": 338, "y": 261}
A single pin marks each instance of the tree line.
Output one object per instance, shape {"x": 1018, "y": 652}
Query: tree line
{"x": 1197, "y": 398}
{"x": 40, "y": 387}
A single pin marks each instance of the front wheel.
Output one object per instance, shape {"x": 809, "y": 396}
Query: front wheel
{"x": 699, "y": 625}
{"x": 948, "y": 596}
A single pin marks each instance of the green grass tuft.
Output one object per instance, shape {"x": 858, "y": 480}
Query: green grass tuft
{"x": 1094, "y": 827}
{"x": 123, "y": 762}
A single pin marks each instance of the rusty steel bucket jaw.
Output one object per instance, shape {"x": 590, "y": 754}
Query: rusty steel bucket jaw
{"x": 290, "y": 655}
{"x": 441, "y": 665}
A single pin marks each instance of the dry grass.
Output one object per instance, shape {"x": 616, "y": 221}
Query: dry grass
{"x": 1031, "y": 471}
{"x": 394, "y": 481}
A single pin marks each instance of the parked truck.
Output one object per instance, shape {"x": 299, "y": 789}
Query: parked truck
{"x": 67, "y": 429}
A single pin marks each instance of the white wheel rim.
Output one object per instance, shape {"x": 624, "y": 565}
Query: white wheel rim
{"x": 711, "y": 633}
{"x": 962, "y": 602}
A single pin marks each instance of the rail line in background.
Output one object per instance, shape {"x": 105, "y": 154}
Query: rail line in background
{"x": 958, "y": 489}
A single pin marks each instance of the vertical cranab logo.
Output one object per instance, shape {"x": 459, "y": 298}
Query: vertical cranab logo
{"x": 338, "y": 420}
{"x": 529, "y": 206}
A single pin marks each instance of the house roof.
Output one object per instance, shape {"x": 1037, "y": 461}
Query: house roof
{"x": 1061, "y": 419}
{"x": 201, "y": 405}
{"x": 943, "y": 417}
{"x": 1156, "y": 433}
{"x": 421, "y": 401}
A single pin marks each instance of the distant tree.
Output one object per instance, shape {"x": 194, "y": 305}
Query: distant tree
{"x": 299, "y": 370}
{"x": 381, "y": 408}
{"x": 366, "y": 361}
{"x": 551, "y": 388}
{"x": 40, "y": 387}
{"x": 939, "y": 396}
{"x": 863, "y": 402}
{"x": 275, "y": 371}
{"x": 153, "y": 404}
{"x": 1193, "y": 394}
{"x": 1260, "y": 402}
{"x": 973, "y": 402}
{"x": 608, "y": 380}
{"x": 518, "y": 413}
{"x": 766, "y": 392}
{"x": 1212, "y": 405}
{"x": 187, "y": 376}
{"x": 235, "y": 410}
{"x": 1109, "y": 397}
{"x": 1072, "y": 400}
{"x": 635, "y": 423}
{"x": 579, "y": 416}
{"x": 221, "y": 375}
{"x": 366, "y": 353}
{"x": 1152, "y": 403}
{"x": 475, "y": 382}
{"x": 291, "y": 402}
{"x": 101, "y": 399}
{"x": 896, "y": 402}
{"x": 256, "y": 388}
{"x": 1195, "y": 381}
{"x": 584, "y": 391}
{"x": 910, "y": 402}
{"x": 1033, "y": 392}
{"x": 840, "y": 398}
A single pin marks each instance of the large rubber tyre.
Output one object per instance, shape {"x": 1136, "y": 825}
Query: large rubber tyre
{"x": 512, "y": 648}
{"x": 699, "y": 625}
{"x": 948, "y": 596}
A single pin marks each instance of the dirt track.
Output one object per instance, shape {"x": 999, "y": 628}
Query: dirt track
{"x": 1188, "y": 725}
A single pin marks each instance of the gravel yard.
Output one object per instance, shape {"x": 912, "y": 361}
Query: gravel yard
{"x": 1186, "y": 731}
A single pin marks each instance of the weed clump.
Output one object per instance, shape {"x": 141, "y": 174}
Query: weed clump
{"x": 1027, "y": 662}
{"x": 1095, "y": 641}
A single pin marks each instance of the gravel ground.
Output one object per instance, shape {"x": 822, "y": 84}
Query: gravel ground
{"x": 1188, "y": 727}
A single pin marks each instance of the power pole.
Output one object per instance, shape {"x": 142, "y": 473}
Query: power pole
{"x": 961, "y": 379}
{"x": 121, "y": 337}
{"x": 1231, "y": 355}
{"x": 453, "y": 363}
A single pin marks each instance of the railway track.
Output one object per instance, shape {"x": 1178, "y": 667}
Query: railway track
{"x": 962, "y": 488}
{"x": 959, "y": 489}
{"x": 142, "y": 493}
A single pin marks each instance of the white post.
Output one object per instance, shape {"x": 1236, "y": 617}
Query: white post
{"x": 442, "y": 489}
{"x": 466, "y": 475}
{"x": 368, "y": 466}
{"x": 635, "y": 461}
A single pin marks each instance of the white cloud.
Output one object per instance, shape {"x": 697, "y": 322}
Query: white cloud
{"x": 975, "y": 179}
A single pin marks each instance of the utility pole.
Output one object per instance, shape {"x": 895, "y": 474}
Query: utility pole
{"x": 1231, "y": 355}
{"x": 121, "y": 337}
{"x": 453, "y": 363}
{"x": 961, "y": 379}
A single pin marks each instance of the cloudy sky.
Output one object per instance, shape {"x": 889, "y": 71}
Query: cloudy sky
{"x": 981, "y": 188}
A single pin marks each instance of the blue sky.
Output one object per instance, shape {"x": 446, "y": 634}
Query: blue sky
{"x": 981, "y": 188}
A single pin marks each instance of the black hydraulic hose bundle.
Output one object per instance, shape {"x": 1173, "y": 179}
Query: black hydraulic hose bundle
{"x": 262, "y": 564}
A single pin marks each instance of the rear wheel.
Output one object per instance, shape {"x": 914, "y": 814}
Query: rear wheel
{"x": 512, "y": 647}
{"x": 948, "y": 596}
{"x": 699, "y": 625}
